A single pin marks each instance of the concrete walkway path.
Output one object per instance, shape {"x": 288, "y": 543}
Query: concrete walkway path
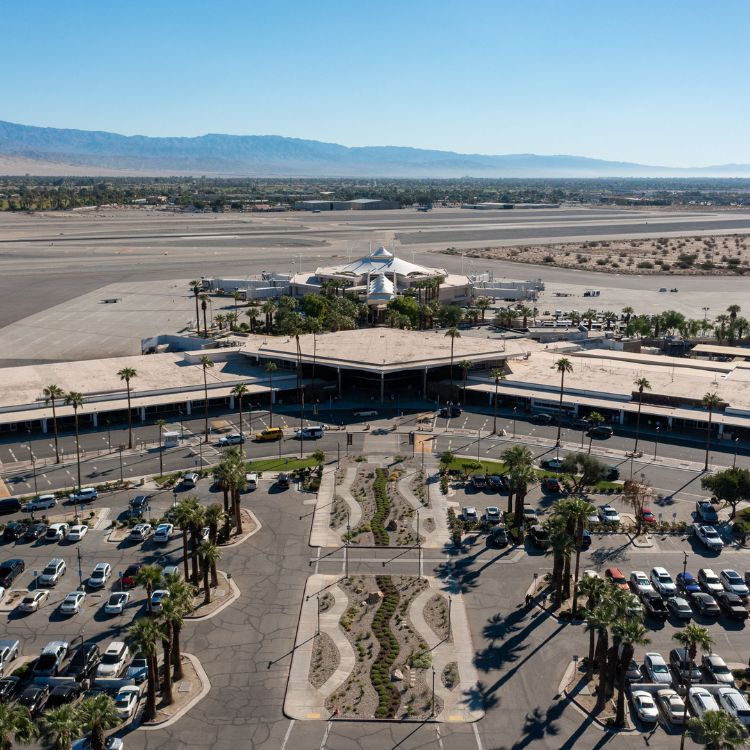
{"x": 321, "y": 533}
{"x": 344, "y": 491}
{"x": 437, "y": 510}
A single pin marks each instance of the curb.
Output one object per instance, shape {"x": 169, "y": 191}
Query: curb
{"x": 236, "y": 542}
{"x": 235, "y": 594}
{"x": 205, "y": 687}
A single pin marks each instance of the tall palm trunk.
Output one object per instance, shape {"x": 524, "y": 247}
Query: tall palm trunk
{"x": 177, "y": 673}
{"x": 185, "y": 553}
{"x": 151, "y": 680}
{"x": 167, "y": 683}
{"x": 510, "y": 499}
{"x": 78, "y": 448}
{"x": 54, "y": 425}
{"x": 590, "y": 664}
{"x": 560, "y": 407}
{"x": 270, "y": 399}
{"x": 194, "y": 531}
{"x": 612, "y": 665}
{"x": 566, "y": 578}
{"x": 579, "y": 542}
{"x": 206, "y": 585}
{"x": 130, "y": 419}
{"x": 638, "y": 423}
{"x": 238, "y": 511}
{"x": 601, "y": 663}
{"x": 708, "y": 439}
{"x": 627, "y": 655}
{"x": 494, "y": 410}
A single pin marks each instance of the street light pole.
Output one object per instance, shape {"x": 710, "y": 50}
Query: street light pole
{"x": 80, "y": 569}
{"x": 684, "y": 564}
{"x": 318, "y": 598}
{"x": 346, "y": 547}
{"x": 419, "y": 549}
{"x": 122, "y": 481}
{"x": 432, "y": 713}
{"x": 736, "y": 446}
{"x": 479, "y": 441}
{"x": 514, "y": 422}
{"x": 450, "y": 601}
{"x": 656, "y": 441}
{"x": 109, "y": 437}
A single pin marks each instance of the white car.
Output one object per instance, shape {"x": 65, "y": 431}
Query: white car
{"x": 126, "y": 701}
{"x": 117, "y": 602}
{"x": 732, "y": 581}
{"x": 366, "y": 413}
{"x": 709, "y": 581}
{"x": 492, "y": 514}
{"x": 77, "y": 532}
{"x": 157, "y": 597}
{"x": 113, "y": 660}
{"x": 644, "y": 706}
{"x": 100, "y": 575}
{"x": 607, "y": 514}
{"x": 71, "y": 604}
{"x": 657, "y": 669}
{"x": 701, "y": 701}
{"x": 672, "y": 706}
{"x": 709, "y": 537}
{"x": 205, "y": 533}
{"x": 140, "y": 531}
{"x": 33, "y": 601}
{"x": 663, "y": 582}
{"x": 639, "y": 582}
{"x": 163, "y": 533}
{"x": 56, "y": 532}
{"x": 84, "y": 495}
{"x": 233, "y": 439}
{"x": 717, "y": 670}
{"x": 469, "y": 513}
{"x": 43, "y": 502}
{"x": 552, "y": 463}
{"x": 733, "y": 702}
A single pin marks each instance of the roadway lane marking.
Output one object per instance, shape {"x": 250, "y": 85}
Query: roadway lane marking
{"x": 325, "y": 735}
{"x": 287, "y": 735}
{"x": 439, "y": 738}
{"x": 477, "y": 737}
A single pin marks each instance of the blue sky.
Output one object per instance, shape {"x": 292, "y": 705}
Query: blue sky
{"x": 655, "y": 82}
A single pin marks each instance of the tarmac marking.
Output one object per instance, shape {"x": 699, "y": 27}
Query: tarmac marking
{"x": 477, "y": 737}
{"x": 288, "y": 734}
{"x": 325, "y": 735}
{"x": 439, "y": 738}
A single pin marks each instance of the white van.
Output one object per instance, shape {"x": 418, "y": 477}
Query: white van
{"x": 313, "y": 432}
{"x": 251, "y": 481}
{"x": 190, "y": 479}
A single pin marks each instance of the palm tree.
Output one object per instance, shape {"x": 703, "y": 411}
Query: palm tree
{"x": 269, "y": 308}
{"x": 630, "y": 633}
{"x": 240, "y": 391}
{"x": 692, "y": 637}
{"x": 204, "y": 305}
{"x": 127, "y": 374}
{"x": 515, "y": 457}
{"x": 206, "y": 363}
{"x": 220, "y": 320}
{"x": 454, "y": 333}
{"x": 143, "y": 636}
{"x": 236, "y": 478}
{"x": 60, "y": 726}
{"x": 595, "y": 418}
{"x": 16, "y": 725}
{"x": 252, "y": 316}
{"x": 183, "y": 514}
{"x": 711, "y": 401}
{"x": 96, "y": 715}
{"x": 160, "y": 423}
{"x": 51, "y": 393}
{"x": 576, "y": 512}
{"x": 170, "y": 612}
{"x": 718, "y": 730}
{"x": 465, "y": 365}
{"x": 595, "y": 590}
{"x": 271, "y": 367}
{"x": 497, "y": 375}
{"x": 215, "y": 515}
{"x": 482, "y": 304}
{"x": 75, "y": 400}
{"x": 520, "y": 479}
{"x": 210, "y": 554}
{"x": 195, "y": 288}
{"x": 642, "y": 384}
{"x": 149, "y": 576}
{"x": 563, "y": 365}
{"x": 561, "y": 546}
{"x": 180, "y": 593}
{"x": 604, "y": 615}
{"x": 196, "y": 526}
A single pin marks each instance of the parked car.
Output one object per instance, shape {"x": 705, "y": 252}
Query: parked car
{"x": 554, "y": 464}
{"x": 50, "y": 660}
{"x": 529, "y": 514}
{"x": 709, "y": 581}
{"x": 539, "y": 536}
{"x": 492, "y": 514}
{"x": 732, "y": 581}
{"x": 657, "y": 669}
{"x": 157, "y": 597}
{"x": 113, "y": 660}
{"x": 633, "y": 672}
{"x": 163, "y": 533}
{"x": 138, "y": 670}
{"x": 541, "y": 418}
{"x": 128, "y": 580}
{"x": 282, "y": 481}
{"x": 56, "y": 532}
{"x": 731, "y": 605}
{"x": 705, "y": 512}
{"x": 84, "y": 495}
{"x": 639, "y": 582}
{"x": 313, "y": 432}
{"x": 71, "y": 604}
{"x": 42, "y": 502}
{"x": 705, "y": 604}
{"x": 10, "y": 570}
{"x": 137, "y": 505}
{"x": 190, "y": 480}
{"x": 140, "y": 532}
{"x": 679, "y": 608}
{"x": 33, "y": 601}
{"x": 111, "y": 743}
{"x": 601, "y": 430}
{"x": 52, "y": 573}
{"x": 84, "y": 662}
{"x": 116, "y": 603}
{"x": 14, "y": 530}
{"x": 495, "y": 482}
{"x": 672, "y": 706}
{"x": 701, "y": 701}
{"x": 550, "y": 484}
{"x": 34, "y": 698}
{"x": 77, "y": 532}
{"x": 126, "y": 701}
{"x": 234, "y": 438}
{"x": 9, "y": 687}
{"x": 734, "y": 703}
{"x": 647, "y": 516}
{"x": 581, "y": 423}
{"x": 663, "y": 582}
{"x": 654, "y": 606}
{"x": 498, "y": 537}
{"x": 709, "y": 537}
{"x": 687, "y": 583}
{"x": 172, "y": 571}
{"x": 269, "y": 434}
{"x": 99, "y": 576}
{"x": 478, "y": 481}
{"x": 716, "y": 670}
{"x": 9, "y": 649}
{"x": 63, "y": 694}
{"x": 616, "y": 577}
{"x": 469, "y": 513}
{"x": 613, "y": 474}
{"x": 35, "y": 531}
{"x": 644, "y": 706}
{"x": 607, "y": 514}
{"x": 251, "y": 481}
{"x": 684, "y": 667}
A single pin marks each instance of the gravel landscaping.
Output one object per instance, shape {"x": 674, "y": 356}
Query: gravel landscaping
{"x": 436, "y": 615}
{"x": 392, "y": 677}
{"x": 325, "y": 659}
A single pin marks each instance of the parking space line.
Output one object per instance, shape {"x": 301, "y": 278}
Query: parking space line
{"x": 287, "y": 735}
{"x": 477, "y": 737}
{"x": 325, "y": 735}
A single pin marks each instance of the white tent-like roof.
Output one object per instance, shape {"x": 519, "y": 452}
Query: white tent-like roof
{"x": 380, "y": 289}
{"x": 381, "y": 261}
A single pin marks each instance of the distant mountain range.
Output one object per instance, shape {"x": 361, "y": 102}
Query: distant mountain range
{"x": 25, "y": 149}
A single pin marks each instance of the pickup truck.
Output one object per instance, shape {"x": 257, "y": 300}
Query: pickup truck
{"x": 705, "y": 512}
{"x": 654, "y": 606}
{"x": 708, "y": 536}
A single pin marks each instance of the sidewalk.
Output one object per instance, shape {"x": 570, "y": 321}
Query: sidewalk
{"x": 321, "y": 534}
{"x": 437, "y": 510}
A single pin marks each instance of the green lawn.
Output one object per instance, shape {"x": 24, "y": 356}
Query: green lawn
{"x": 281, "y": 464}
{"x": 463, "y": 463}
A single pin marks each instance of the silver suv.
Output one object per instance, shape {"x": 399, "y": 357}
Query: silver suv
{"x": 54, "y": 571}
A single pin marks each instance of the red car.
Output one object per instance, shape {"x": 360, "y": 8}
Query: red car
{"x": 647, "y": 516}
{"x": 128, "y": 578}
{"x": 616, "y": 578}
{"x": 550, "y": 484}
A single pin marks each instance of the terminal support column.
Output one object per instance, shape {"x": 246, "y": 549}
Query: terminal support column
{"x": 382, "y": 387}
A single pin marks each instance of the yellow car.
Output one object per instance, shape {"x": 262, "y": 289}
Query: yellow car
{"x": 269, "y": 434}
